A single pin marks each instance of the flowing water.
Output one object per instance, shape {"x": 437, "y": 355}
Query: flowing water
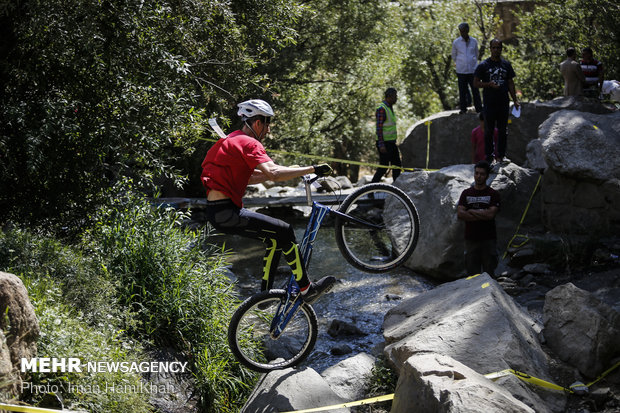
{"x": 359, "y": 298}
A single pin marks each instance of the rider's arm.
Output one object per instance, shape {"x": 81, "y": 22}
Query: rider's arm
{"x": 476, "y": 214}
{"x": 274, "y": 172}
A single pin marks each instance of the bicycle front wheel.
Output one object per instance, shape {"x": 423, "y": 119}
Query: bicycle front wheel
{"x": 255, "y": 347}
{"x": 380, "y": 228}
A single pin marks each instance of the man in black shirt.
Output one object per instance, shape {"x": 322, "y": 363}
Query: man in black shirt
{"x": 495, "y": 76}
{"x": 478, "y": 206}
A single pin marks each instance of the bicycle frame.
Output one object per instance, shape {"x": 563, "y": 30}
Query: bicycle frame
{"x": 289, "y": 308}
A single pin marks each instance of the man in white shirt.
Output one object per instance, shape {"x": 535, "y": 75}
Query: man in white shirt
{"x": 465, "y": 56}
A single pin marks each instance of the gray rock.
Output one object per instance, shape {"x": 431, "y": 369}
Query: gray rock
{"x": 340, "y": 328}
{"x": 290, "y": 389}
{"x": 582, "y": 145}
{"x": 435, "y": 383}
{"x": 475, "y": 322}
{"x": 537, "y": 268}
{"x": 453, "y": 131}
{"x": 348, "y": 378}
{"x": 20, "y": 328}
{"x": 581, "y": 329}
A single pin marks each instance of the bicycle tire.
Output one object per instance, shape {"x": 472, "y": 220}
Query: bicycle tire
{"x": 251, "y": 343}
{"x": 377, "y": 250}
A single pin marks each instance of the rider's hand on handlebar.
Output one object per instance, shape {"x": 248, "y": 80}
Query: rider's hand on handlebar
{"x": 322, "y": 169}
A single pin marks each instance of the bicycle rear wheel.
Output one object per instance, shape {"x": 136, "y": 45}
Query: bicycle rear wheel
{"x": 394, "y": 232}
{"x": 251, "y": 342}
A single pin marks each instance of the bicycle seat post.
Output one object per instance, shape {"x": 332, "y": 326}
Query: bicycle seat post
{"x": 308, "y": 190}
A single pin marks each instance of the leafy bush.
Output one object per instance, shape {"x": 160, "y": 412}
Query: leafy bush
{"x": 178, "y": 293}
{"x": 76, "y": 318}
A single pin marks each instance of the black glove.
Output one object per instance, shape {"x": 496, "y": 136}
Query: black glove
{"x": 322, "y": 169}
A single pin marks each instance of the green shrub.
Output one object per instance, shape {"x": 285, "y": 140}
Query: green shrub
{"x": 59, "y": 281}
{"x": 178, "y": 293}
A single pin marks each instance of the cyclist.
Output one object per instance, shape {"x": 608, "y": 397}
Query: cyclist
{"x": 229, "y": 167}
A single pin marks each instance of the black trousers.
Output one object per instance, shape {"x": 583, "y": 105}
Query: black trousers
{"x": 277, "y": 235}
{"x": 391, "y": 156}
{"x": 495, "y": 117}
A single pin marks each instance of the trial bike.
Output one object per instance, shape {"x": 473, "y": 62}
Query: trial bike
{"x": 377, "y": 228}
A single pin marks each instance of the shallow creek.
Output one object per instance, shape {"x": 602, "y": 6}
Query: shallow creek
{"x": 359, "y": 298}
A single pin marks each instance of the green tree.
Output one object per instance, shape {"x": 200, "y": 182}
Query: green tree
{"x": 95, "y": 90}
{"x": 429, "y": 31}
{"x": 328, "y": 83}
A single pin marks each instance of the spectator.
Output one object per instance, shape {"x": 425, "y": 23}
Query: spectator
{"x": 593, "y": 71}
{"x": 465, "y": 56}
{"x": 477, "y": 141}
{"x": 495, "y": 76}
{"x": 386, "y": 135}
{"x": 478, "y": 206}
{"x": 572, "y": 73}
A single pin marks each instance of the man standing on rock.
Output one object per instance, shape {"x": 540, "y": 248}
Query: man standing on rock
{"x": 495, "y": 76}
{"x": 478, "y": 206}
{"x": 572, "y": 73}
{"x": 386, "y": 136}
{"x": 465, "y": 56}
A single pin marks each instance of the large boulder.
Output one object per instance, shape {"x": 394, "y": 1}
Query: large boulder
{"x": 19, "y": 330}
{"x": 435, "y": 383}
{"x": 580, "y": 153}
{"x": 450, "y": 133}
{"x": 440, "y": 249}
{"x": 580, "y": 329}
{"x": 348, "y": 378}
{"x": 289, "y": 390}
{"x": 476, "y": 323}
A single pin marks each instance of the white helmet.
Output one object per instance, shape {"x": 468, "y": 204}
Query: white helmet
{"x": 254, "y": 107}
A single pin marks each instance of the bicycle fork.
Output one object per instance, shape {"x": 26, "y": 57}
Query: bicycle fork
{"x": 286, "y": 310}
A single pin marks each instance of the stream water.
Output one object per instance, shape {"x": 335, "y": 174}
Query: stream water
{"x": 359, "y": 298}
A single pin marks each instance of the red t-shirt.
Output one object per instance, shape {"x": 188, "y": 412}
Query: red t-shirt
{"x": 477, "y": 140}
{"x": 229, "y": 164}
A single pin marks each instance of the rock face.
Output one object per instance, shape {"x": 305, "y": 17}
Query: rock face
{"x": 476, "y": 323}
{"x": 290, "y": 389}
{"x": 440, "y": 248}
{"x": 444, "y": 385}
{"x": 347, "y": 378}
{"x": 453, "y": 131}
{"x": 581, "y": 329}
{"x": 21, "y": 327}
{"x": 581, "y": 186}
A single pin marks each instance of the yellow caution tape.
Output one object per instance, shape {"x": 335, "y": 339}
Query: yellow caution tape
{"x": 491, "y": 376}
{"x": 349, "y": 404}
{"x": 527, "y": 207}
{"x": 526, "y": 378}
{"x": 28, "y": 409}
{"x": 330, "y": 159}
{"x": 428, "y": 140}
{"x": 605, "y": 373}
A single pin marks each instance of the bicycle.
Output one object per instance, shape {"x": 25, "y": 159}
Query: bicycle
{"x": 377, "y": 228}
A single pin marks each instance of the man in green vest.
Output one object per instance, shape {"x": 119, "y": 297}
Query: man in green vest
{"x": 386, "y": 136}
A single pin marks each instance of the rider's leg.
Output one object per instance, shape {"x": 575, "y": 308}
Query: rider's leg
{"x": 270, "y": 263}
{"x": 227, "y": 217}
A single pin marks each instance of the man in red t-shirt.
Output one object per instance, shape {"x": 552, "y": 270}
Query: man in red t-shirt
{"x": 477, "y": 142}
{"x": 478, "y": 206}
{"x": 229, "y": 167}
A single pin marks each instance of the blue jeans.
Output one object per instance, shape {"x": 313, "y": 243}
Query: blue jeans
{"x": 465, "y": 82}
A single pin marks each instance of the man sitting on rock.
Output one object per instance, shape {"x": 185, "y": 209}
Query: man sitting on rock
{"x": 478, "y": 206}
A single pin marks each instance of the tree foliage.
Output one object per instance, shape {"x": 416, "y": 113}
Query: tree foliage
{"x": 93, "y": 90}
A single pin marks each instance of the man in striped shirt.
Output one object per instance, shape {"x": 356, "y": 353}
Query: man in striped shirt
{"x": 386, "y": 136}
{"x": 593, "y": 71}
